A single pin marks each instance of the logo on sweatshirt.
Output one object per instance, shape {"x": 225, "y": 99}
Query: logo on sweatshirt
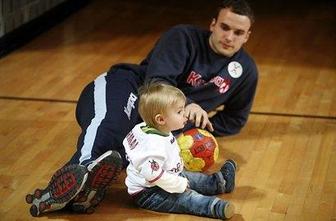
{"x": 130, "y": 105}
{"x": 131, "y": 140}
{"x": 195, "y": 80}
{"x": 235, "y": 69}
{"x": 176, "y": 169}
{"x": 222, "y": 84}
{"x": 154, "y": 165}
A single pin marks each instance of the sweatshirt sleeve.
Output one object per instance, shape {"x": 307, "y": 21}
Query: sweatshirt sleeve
{"x": 151, "y": 170}
{"x": 170, "y": 56}
{"x": 235, "y": 114}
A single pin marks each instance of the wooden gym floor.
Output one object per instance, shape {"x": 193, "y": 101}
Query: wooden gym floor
{"x": 286, "y": 152}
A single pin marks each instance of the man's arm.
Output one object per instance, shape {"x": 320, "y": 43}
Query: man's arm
{"x": 169, "y": 57}
{"x": 234, "y": 116}
{"x": 198, "y": 116}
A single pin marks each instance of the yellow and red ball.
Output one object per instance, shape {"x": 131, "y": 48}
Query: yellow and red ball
{"x": 199, "y": 149}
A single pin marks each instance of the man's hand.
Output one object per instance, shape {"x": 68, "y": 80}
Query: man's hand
{"x": 199, "y": 116}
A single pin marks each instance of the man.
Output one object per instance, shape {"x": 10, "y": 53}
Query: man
{"x": 210, "y": 67}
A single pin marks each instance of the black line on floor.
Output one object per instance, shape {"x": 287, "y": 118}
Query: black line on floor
{"x": 252, "y": 112}
{"x": 294, "y": 115}
{"x": 38, "y": 99}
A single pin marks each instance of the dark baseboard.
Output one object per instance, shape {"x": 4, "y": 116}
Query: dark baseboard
{"x": 26, "y": 32}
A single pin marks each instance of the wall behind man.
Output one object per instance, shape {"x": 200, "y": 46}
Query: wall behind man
{"x": 14, "y": 13}
{"x": 21, "y": 20}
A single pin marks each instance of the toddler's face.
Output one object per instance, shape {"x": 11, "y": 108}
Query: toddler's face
{"x": 175, "y": 118}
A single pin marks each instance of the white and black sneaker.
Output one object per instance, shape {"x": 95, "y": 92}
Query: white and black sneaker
{"x": 64, "y": 185}
{"x": 102, "y": 172}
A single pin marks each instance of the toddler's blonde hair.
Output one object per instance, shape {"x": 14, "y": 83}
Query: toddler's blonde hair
{"x": 155, "y": 98}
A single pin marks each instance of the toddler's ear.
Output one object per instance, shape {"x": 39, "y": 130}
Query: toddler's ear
{"x": 159, "y": 119}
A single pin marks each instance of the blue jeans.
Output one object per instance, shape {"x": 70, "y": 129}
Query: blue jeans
{"x": 196, "y": 201}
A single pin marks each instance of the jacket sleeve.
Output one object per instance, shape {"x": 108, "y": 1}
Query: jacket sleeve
{"x": 172, "y": 183}
{"x": 170, "y": 56}
{"x": 235, "y": 114}
{"x": 151, "y": 170}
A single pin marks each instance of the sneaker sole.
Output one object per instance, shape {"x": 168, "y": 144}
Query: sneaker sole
{"x": 102, "y": 172}
{"x": 229, "y": 210}
{"x": 104, "y": 169}
{"x": 64, "y": 185}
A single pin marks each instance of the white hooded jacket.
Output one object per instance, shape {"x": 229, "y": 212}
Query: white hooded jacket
{"x": 154, "y": 161}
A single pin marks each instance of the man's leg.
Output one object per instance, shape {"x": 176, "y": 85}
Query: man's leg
{"x": 106, "y": 112}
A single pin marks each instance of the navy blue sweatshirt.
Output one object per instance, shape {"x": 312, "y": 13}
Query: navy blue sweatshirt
{"x": 183, "y": 57}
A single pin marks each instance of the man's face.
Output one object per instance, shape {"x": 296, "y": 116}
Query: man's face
{"x": 229, "y": 32}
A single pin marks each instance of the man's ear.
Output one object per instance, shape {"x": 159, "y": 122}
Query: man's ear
{"x": 247, "y": 36}
{"x": 212, "y": 24}
{"x": 159, "y": 119}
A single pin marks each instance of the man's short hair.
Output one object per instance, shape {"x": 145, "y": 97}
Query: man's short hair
{"x": 240, "y": 7}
